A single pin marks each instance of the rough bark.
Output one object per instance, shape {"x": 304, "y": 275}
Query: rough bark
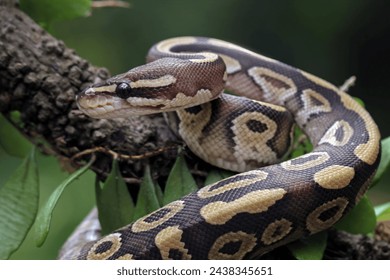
{"x": 40, "y": 76}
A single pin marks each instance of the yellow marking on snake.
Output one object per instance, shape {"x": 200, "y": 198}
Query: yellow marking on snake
{"x": 247, "y": 243}
{"x": 108, "y": 88}
{"x": 207, "y": 58}
{"x": 326, "y": 177}
{"x": 166, "y": 45}
{"x": 191, "y": 128}
{"x": 318, "y": 158}
{"x": 105, "y": 247}
{"x": 232, "y": 65}
{"x": 158, "y": 217}
{"x": 272, "y": 106}
{"x": 253, "y": 202}
{"x": 179, "y": 100}
{"x": 183, "y": 100}
{"x": 162, "y": 81}
{"x": 213, "y": 190}
{"x": 126, "y": 257}
{"x": 170, "y": 239}
{"x": 273, "y": 83}
{"x": 315, "y": 223}
{"x": 252, "y": 145}
{"x": 276, "y": 231}
{"x": 367, "y": 152}
{"x": 313, "y": 103}
{"x": 331, "y": 134}
{"x": 194, "y": 123}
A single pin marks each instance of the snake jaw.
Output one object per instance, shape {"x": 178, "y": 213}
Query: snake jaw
{"x": 102, "y": 101}
{"x": 104, "y": 104}
{"x": 98, "y": 102}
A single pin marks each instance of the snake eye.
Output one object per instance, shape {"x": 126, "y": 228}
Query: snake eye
{"x": 123, "y": 90}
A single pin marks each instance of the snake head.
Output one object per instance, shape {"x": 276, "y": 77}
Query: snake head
{"x": 163, "y": 85}
{"x": 102, "y": 101}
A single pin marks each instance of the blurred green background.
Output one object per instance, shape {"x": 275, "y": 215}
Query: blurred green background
{"x": 331, "y": 39}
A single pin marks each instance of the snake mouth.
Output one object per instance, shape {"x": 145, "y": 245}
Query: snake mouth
{"x": 94, "y": 105}
{"x": 106, "y": 106}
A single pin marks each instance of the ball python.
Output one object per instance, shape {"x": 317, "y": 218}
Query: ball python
{"x": 263, "y": 207}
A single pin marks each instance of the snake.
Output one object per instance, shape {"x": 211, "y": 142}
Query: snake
{"x": 273, "y": 200}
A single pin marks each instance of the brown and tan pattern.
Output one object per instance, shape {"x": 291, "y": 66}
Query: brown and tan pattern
{"x": 260, "y": 209}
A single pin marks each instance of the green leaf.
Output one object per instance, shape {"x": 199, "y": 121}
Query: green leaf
{"x": 311, "y": 248}
{"x": 44, "y": 217}
{"x": 382, "y": 212}
{"x": 358, "y": 100}
{"x": 12, "y": 141}
{"x": 385, "y": 161}
{"x": 216, "y": 175}
{"x": 180, "y": 181}
{"x": 149, "y": 197}
{"x": 159, "y": 194}
{"x": 19, "y": 199}
{"x": 360, "y": 220}
{"x": 45, "y": 12}
{"x": 113, "y": 201}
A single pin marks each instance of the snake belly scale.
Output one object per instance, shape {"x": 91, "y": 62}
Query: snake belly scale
{"x": 263, "y": 207}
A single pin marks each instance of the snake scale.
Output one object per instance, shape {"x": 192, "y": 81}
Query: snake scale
{"x": 263, "y": 207}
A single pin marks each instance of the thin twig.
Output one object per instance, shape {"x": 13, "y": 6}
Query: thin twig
{"x": 348, "y": 84}
{"x": 300, "y": 142}
{"x": 116, "y": 155}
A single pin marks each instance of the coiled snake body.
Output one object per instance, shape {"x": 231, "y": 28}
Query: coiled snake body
{"x": 262, "y": 208}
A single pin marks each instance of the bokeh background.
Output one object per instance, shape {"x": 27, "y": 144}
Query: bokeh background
{"x": 331, "y": 39}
